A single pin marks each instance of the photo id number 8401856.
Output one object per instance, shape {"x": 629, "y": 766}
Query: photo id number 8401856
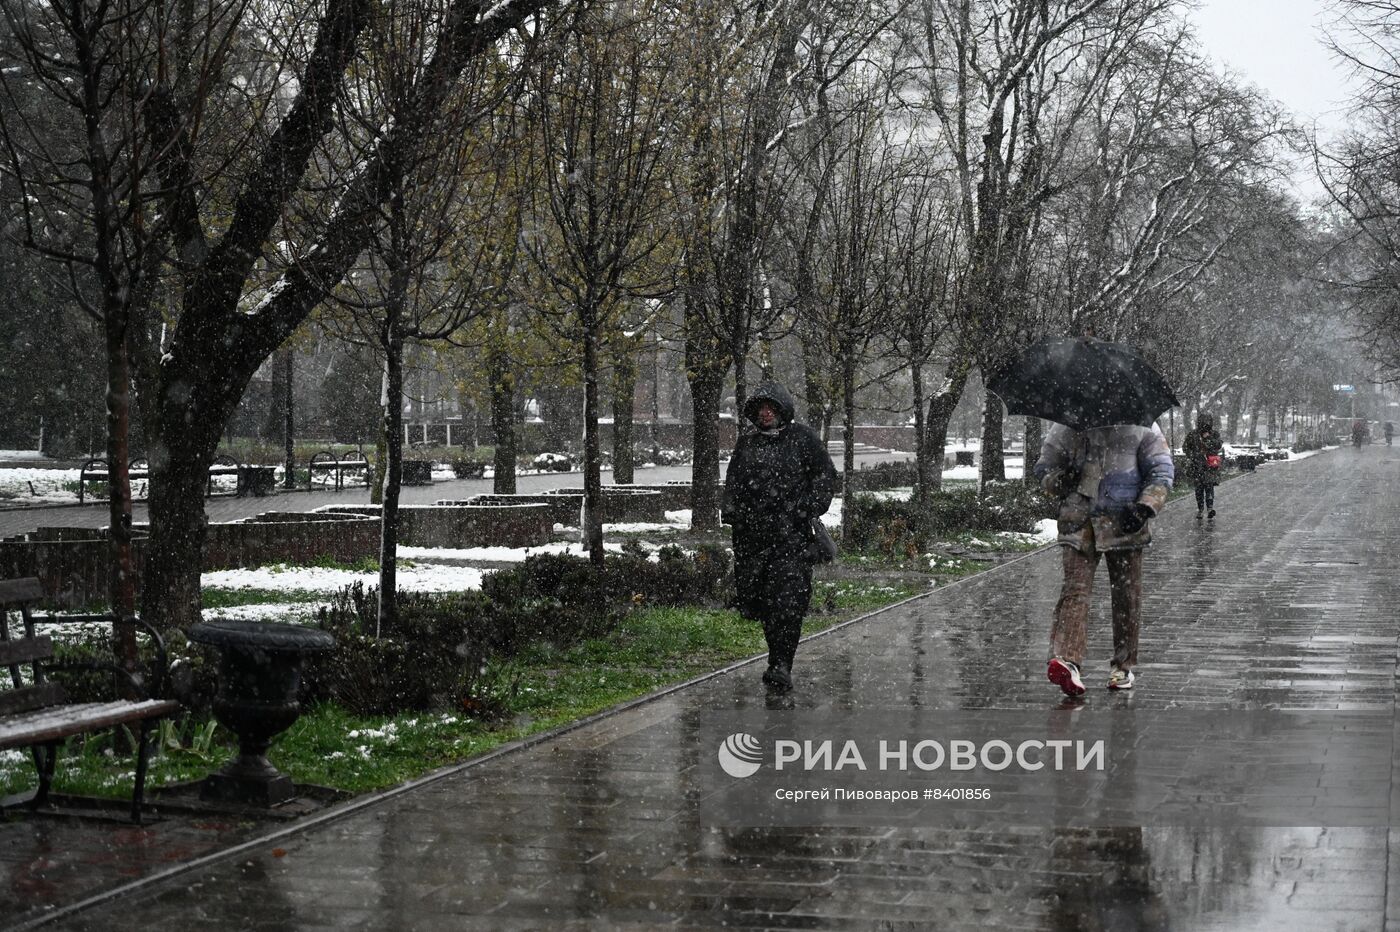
{"x": 957, "y": 792}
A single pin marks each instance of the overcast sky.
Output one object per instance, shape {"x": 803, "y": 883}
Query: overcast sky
{"x": 1278, "y": 46}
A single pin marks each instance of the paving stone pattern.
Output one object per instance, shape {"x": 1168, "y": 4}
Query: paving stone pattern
{"x": 1287, "y": 600}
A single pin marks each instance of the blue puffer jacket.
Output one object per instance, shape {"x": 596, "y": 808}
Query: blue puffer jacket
{"x": 1117, "y": 467}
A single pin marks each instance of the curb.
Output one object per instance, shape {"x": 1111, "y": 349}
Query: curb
{"x": 364, "y": 802}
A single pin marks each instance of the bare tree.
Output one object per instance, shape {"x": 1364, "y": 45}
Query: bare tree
{"x": 1361, "y": 174}
{"x": 851, "y": 268}
{"x": 95, "y": 128}
{"x": 606, "y": 97}
{"x": 923, "y": 240}
{"x": 223, "y": 214}
{"x": 442, "y": 250}
{"x": 1006, "y": 84}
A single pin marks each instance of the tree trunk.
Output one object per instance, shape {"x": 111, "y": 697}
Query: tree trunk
{"x": 1035, "y": 439}
{"x": 174, "y": 558}
{"x": 1232, "y": 431}
{"x": 923, "y": 468}
{"x": 941, "y": 406}
{"x": 655, "y": 400}
{"x": 502, "y": 421}
{"x": 393, "y": 476}
{"x": 289, "y": 426}
{"x": 706, "y": 384}
{"x": 741, "y": 378}
{"x": 274, "y": 423}
{"x": 814, "y": 391}
{"x": 848, "y": 443}
{"x": 592, "y": 472}
{"x": 121, "y": 586}
{"x": 993, "y": 461}
{"x": 624, "y": 397}
{"x": 381, "y": 446}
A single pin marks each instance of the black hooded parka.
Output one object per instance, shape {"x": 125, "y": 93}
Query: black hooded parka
{"x": 1201, "y": 442}
{"x": 777, "y": 481}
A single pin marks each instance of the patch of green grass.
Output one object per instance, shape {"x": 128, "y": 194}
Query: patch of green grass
{"x": 940, "y": 566}
{"x": 549, "y": 687}
{"x": 326, "y": 562}
{"x": 232, "y": 598}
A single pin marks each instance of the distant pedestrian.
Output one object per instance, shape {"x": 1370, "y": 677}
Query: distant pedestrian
{"x": 1204, "y": 454}
{"x": 1389, "y": 432}
{"x": 1111, "y": 481}
{"x": 1360, "y": 433}
{"x": 779, "y": 480}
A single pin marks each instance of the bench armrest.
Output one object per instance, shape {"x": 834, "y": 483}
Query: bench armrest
{"x": 155, "y": 689}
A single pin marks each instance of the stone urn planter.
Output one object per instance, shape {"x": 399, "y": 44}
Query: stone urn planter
{"x": 259, "y": 674}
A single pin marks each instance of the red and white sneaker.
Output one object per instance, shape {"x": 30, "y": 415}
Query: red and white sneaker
{"x": 1065, "y": 674}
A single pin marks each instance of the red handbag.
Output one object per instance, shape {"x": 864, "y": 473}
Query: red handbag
{"x": 1213, "y": 461}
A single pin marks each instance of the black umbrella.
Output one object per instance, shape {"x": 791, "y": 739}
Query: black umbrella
{"x": 1083, "y": 383}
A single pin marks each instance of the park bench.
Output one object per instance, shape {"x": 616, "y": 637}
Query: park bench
{"x": 35, "y": 711}
{"x": 252, "y": 480}
{"x": 1249, "y": 456}
{"x": 328, "y": 463}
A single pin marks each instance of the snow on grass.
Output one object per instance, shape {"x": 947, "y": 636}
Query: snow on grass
{"x": 513, "y": 554}
{"x": 39, "y": 485}
{"x": 281, "y": 578}
{"x": 498, "y": 554}
{"x": 1015, "y": 469}
{"x": 1046, "y": 531}
{"x": 72, "y": 630}
{"x": 891, "y": 495}
{"x": 21, "y": 455}
{"x": 675, "y": 521}
{"x": 269, "y": 611}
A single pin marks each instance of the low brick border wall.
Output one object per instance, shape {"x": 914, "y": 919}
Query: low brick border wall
{"x": 71, "y": 563}
{"x": 513, "y": 524}
{"x": 557, "y": 511}
{"x": 621, "y": 503}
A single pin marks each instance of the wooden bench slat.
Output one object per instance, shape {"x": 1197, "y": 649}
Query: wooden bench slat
{"x": 26, "y": 650}
{"x": 13, "y": 591}
{"x": 38, "y": 727}
{"x": 14, "y": 701}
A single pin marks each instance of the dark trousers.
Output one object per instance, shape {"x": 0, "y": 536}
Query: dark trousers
{"x": 775, "y": 589}
{"x": 1205, "y": 496}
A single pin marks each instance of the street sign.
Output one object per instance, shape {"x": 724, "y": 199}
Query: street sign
{"x": 1343, "y": 388}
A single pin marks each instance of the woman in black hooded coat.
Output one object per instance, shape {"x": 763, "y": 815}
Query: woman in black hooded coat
{"x": 1201, "y": 448}
{"x": 779, "y": 479}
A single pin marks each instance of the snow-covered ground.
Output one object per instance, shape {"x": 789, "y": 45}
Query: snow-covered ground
{"x": 499, "y": 554}
{"x": 675, "y": 521}
{"x": 1015, "y": 469}
{"x": 38, "y": 485}
{"x": 418, "y": 578}
{"x": 267, "y": 611}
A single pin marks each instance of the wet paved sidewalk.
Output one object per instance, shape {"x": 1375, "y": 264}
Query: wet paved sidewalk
{"x": 1287, "y": 600}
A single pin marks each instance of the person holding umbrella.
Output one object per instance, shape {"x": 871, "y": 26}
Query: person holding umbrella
{"x": 1109, "y": 465}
